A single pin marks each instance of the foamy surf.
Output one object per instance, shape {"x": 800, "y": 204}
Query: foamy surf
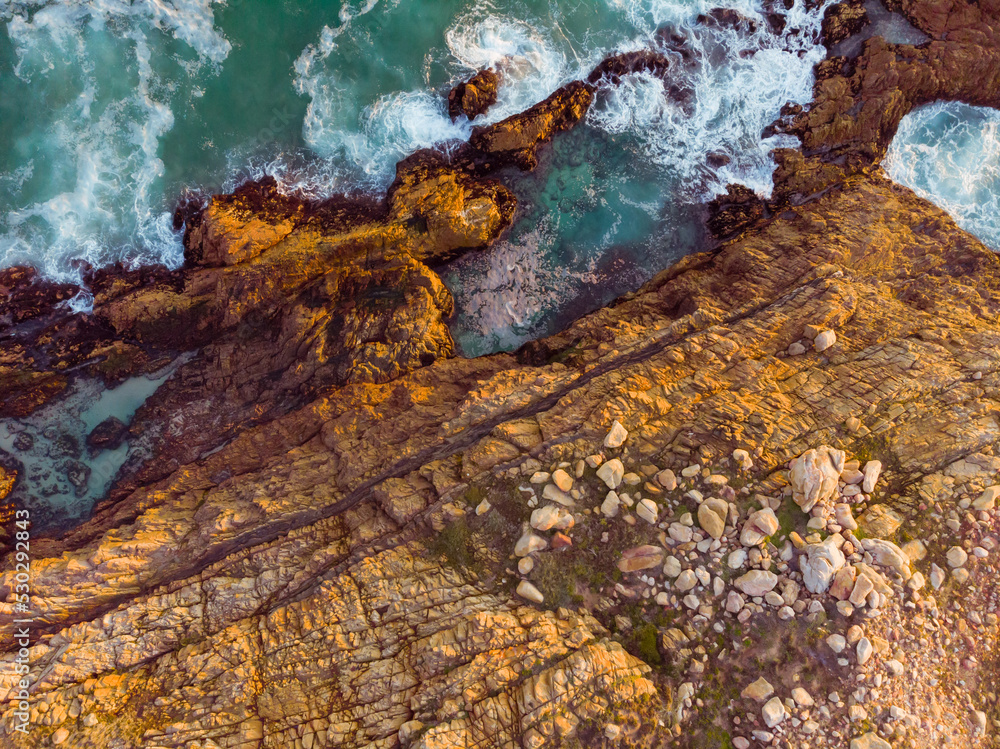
{"x": 90, "y": 184}
{"x": 95, "y": 183}
{"x": 949, "y": 153}
{"x": 733, "y": 82}
{"x": 740, "y": 80}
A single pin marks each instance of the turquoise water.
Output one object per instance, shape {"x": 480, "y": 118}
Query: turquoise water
{"x": 59, "y": 476}
{"x": 949, "y": 153}
{"x": 594, "y": 222}
{"x": 112, "y": 109}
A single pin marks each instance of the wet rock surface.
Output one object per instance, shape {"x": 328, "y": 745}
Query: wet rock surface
{"x": 108, "y": 434}
{"x": 738, "y": 209}
{"x": 843, "y": 20}
{"x": 475, "y": 96}
{"x": 615, "y": 67}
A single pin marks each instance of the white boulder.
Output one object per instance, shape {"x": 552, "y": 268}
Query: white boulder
{"x": 814, "y": 476}
{"x": 819, "y": 563}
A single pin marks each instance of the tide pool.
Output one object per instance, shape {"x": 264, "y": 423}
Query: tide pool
{"x": 60, "y": 475}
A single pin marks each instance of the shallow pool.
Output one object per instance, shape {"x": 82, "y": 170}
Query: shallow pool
{"x": 60, "y": 475}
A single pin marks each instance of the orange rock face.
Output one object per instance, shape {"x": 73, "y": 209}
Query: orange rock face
{"x": 515, "y": 140}
{"x": 231, "y": 232}
{"x": 858, "y": 104}
{"x": 475, "y": 96}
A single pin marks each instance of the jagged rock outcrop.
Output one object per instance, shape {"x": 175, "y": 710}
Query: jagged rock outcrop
{"x": 514, "y": 141}
{"x": 858, "y": 104}
{"x": 295, "y": 515}
{"x": 475, "y": 96}
{"x": 108, "y": 434}
{"x": 738, "y": 209}
{"x": 728, "y": 18}
{"x": 843, "y": 20}
{"x": 614, "y": 68}
{"x": 280, "y": 297}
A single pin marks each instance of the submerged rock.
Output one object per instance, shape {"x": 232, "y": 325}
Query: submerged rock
{"x": 108, "y": 434}
{"x": 614, "y": 68}
{"x": 728, "y": 18}
{"x": 23, "y": 442}
{"x": 78, "y": 474}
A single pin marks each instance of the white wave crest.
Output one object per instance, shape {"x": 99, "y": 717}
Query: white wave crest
{"x": 949, "y": 153}
{"x": 735, "y": 87}
{"x": 530, "y": 63}
{"x": 92, "y": 190}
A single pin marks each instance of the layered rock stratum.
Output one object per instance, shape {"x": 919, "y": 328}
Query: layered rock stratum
{"x": 752, "y": 503}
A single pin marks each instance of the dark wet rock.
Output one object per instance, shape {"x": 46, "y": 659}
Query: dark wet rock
{"x": 614, "y": 68}
{"x": 23, "y": 295}
{"x": 78, "y": 474}
{"x": 23, "y": 441}
{"x": 475, "y": 96}
{"x": 188, "y": 207}
{"x": 857, "y": 107}
{"x": 674, "y": 50}
{"x": 727, "y": 18}
{"x": 842, "y": 21}
{"x": 108, "y": 434}
{"x": 785, "y": 122}
{"x": 718, "y": 159}
{"x": 833, "y": 66}
{"x": 61, "y": 444}
{"x": 673, "y": 41}
{"x": 739, "y": 208}
{"x": 774, "y": 14}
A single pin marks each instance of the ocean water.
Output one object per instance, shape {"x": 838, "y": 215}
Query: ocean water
{"x": 949, "y": 153}
{"x": 113, "y": 109}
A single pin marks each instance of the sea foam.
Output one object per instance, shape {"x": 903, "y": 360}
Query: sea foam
{"x": 116, "y": 75}
{"x": 91, "y": 186}
{"x": 949, "y": 153}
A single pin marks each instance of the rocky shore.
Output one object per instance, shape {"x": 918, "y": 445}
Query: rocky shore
{"x": 751, "y": 504}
